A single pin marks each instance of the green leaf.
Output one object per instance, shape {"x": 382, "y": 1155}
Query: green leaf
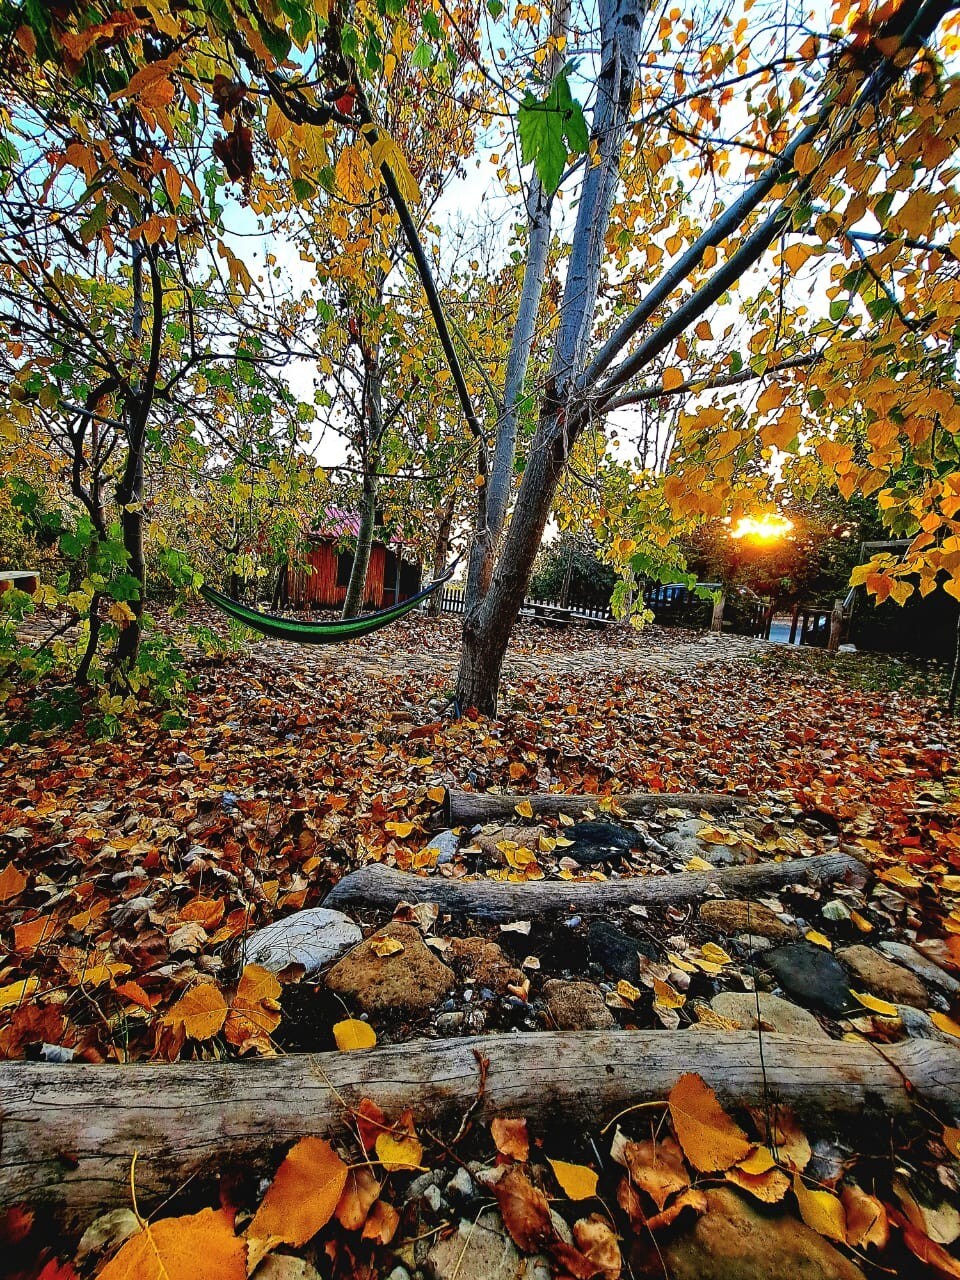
{"x": 494, "y": 8}
{"x": 549, "y": 128}
{"x": 423, "y": 56}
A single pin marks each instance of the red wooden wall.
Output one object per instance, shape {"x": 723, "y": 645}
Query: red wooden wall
{"x": 316, "y": 587}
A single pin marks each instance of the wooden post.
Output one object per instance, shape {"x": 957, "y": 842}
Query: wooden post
{"x": 716, "y": 621}
{"x": 793, "y": 624}
{"x": 836, "y": 626}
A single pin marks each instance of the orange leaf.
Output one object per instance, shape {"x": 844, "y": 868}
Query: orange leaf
{"x": 371, "y": 1122}
{"x": 199, "y": 1013}
{"x": 511, "y": 1138}
{"x": 599, "y": 1245}
{"x": 657, "y": 1168}
{"x": 866, "y": 1218}
{"x": 770, "y": 1186}
{"x": 255, "y": 1012}
{"x": 949, "y": 1025}
{"x": 934, "y": 1255}
{"x": 359, "y": 1194}
{"x": 201, "y": 1246}
{"x": 28, "y": 935}
{"x": 303, "y": 1195}
{"x": 12, "y": 882}
{"x": 382, "y": 1223}
{"x": 709, "y": 1138}
{"x": 205, "y": 911}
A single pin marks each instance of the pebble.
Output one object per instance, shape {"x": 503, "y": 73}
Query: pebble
{"x": 576, "y": 1006}
{"x": 313, "y": 938}
{"x": 446, "y": 844}
{"x": 573, "y": 922}
{"x": 811, "y": 975}
{"x": 882, "y": 977}
{"x": 921, "y": 966}
{"x": 482, "y": 1250}
{"x": 461, "y": 1186}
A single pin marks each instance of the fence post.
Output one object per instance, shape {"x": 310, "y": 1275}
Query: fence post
{"x": 836, "y": 626}
{"x": 793, "y": 624}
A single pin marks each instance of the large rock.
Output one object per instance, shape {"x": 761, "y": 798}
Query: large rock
{"x": 811, "y": 975}
{"x": 733, "y": 915}
{"x": 883, "y": 977}
{"x": 482, "y": 1250}
{"x": 775, "y": 1014}
{"x": 313, "y": 938}
{"x": 484, "y": 962}
{"x": 733, "y": 1241}
{"x": 925, "y": 969}
{"x": 594, "y": 842}
{"x": 617, "y": 952}
{"x": 576, "y": 1006}
{"x": 406, "y": 981}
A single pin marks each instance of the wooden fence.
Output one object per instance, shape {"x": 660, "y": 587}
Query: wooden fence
{"x": 671, "y": 605}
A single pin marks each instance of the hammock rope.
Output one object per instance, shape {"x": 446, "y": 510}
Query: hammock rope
{"x": 333, "y": 631}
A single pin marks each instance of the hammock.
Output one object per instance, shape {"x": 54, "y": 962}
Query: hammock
{"x": 323, "y": 632}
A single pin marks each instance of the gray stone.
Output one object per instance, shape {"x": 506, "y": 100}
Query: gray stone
{"x": 312, "y": 938}
{"x": 684, "y": 844}
{"x": 433, "y": 1197}
{"x": 461, "y": 1186}
{"x": 282, "y": 1266}
{"x": 811, "y": 975}
{"x": 882, "y": 977}
{"x": 749, "y": 944}
{"x": 776, "y": 1014}
{"x": 407, "y": 981}
{"x": 918, "y": 1025}
{"x": 449, "y": 1024}
{"x": 735, "y": 1241}
{"x": 735, "y": 915}
{"x": 483, "y": 1251}
{"x": 921, "y": 966}
{"x": 446, "y": 844}
{"x": 576, "y": 1006}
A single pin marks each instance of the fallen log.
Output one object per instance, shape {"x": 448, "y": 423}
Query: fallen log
{"x": 467, "y": 808}
{"x": 69, "y": 1132}
{"x": 379, "y": 886}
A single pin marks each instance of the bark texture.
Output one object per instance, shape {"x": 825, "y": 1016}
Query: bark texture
{"x": 465, "y": 808}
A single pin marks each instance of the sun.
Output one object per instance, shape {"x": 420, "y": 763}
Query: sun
{"x": 765, "y": 528}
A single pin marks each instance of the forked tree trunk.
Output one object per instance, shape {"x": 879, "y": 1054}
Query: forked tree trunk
{"x": 356, "y": 587}
{"x": 441, "y": 553}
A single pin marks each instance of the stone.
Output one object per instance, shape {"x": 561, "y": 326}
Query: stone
{"x": 596, "y": 842}
{"x": 749, "y": 944}
{"x": 312, "y": 938}
{"x": 282, "y": 1266}
{"x": 811, "y": 975}
{"x": 684, "y": 843}
{"x": 409, "y": 981}
{"x": 733, "y": 915}
{"x": 446, "y": 844}
{"x": 918, "y": 1025}
{"x": 776, "y": 1014}
{"x": 482, "y": 1250}
{"x": 461, "y": 1186}
{"x": 449, "y": 1024}
{"x": 576, "y": 1006}
{"x": 874, "y": 972}
{"x": 617, "y": 952}
{"x": 734, "y": 1241}
{"x": 485, "y": 962}
{"x": 925, "y": 969}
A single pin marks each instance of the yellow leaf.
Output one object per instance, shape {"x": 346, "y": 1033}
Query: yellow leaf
{"x": 385, "y": 151}
{"x": 715, "y": 954}
{"x": 818, "y": 939}
{"x": 946, "y": 1024}
{"x": 201, "y": 1246}
{"x": 821, "y": 1211}
{"x": 201, "y": 1012}
{"x": 672, "y": 378}
{"x": 883, "y": 1007}
{"x": 303, "y": 1195}
{"x": 437, "y": 794}
{"x": 697, "y": 863}
{"x": 951, "y": 1140}
{"x": 900, "y": 876}
{"x": 666, "y": 996}
{"x": 578, "y": 1182}
{"x": 385, "y": 946}
{"x": 400, "y": 829}
{"x": 18, "y": 991}
{"x": 255, "y": 1011}
{"x": 861, "y": 922}
{"x": 758, "y": 1161}
{"x": 770, "y": 1186}
{"x": 351, "y": 175}
{"x": 525, "y": 809}
{"x": 627, "y": 991}
{"x": 403, "y": 1152}
{"x": 353, "y": 1033}
{"x": 12, "y": 882}
{"x": 771, "y": 398}
{"x": 710, "y": 1139}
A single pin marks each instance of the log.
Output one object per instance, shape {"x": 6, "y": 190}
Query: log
{"x": 379, "y": 886}
{"x": 69, "y": 1131}
{"x": 467, "y": 808}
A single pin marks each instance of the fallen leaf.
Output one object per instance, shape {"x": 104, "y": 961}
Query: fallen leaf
{"x": 199, "y": 1013}
{"x": 385, "y": 946}
{"x": 598, "y": 1244}
{"x": 922, "y": 1247}
{"x": 525, "y": 1211}
{"x": 381, "y": 1225}
{"x": 657, "y": 1168}
{"x": 578, "y": 1181}
{"x": 709, "y": 1138}
{"x": 951, "y": 1140}
{"x": 399, "y": 1147}
{"x": 354, "y": 1033}
{"x": 201, "y": 1246}
{"x": 510, "y": 1137}
{"x": 770, "y": 1186}
{"x": 666, "y": 997}
{"x": 303, "y": 1196}
{"x": 949, "y": 1025}
{"x": 360, "y": 1193}
{"x": 818, "y": 939}
{"x": 866, "y": 1218}
{"x": 882, "y": 1007}
{"x": 370, "y": 1122}
{"x": 18, "y": 991}
{"x": 255, "y": 1012}
{"x": 822, "y": 1211}
{"x": 12, "y": 882}
{"x": 525, "y": 809}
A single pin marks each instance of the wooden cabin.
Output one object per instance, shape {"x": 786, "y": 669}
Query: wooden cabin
{"x": 320, "y": 580}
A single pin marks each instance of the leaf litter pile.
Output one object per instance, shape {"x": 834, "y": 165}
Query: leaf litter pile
{"x": 134, "y": 873}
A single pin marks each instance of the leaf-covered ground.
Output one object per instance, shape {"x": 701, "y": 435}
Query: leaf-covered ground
{"x": 131, "y": 869}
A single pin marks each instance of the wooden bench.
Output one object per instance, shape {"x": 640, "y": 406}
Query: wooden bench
{"x": 552, "y": 615}
{"x": 27, "y": 580}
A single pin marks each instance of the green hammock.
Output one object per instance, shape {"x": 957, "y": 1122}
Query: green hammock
{"x": 323, "y": 632}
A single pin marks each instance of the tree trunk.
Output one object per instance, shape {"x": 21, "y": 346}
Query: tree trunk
{"x": 356, "y": 587}
{"x": 131, "y": 523}
{"x": 69, "y": 1132}
{"x": 716, "y": 618}
{"x": 441, "y": 553}
{"x": 487, "y": 627}
{"x": 955, "y": 674}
